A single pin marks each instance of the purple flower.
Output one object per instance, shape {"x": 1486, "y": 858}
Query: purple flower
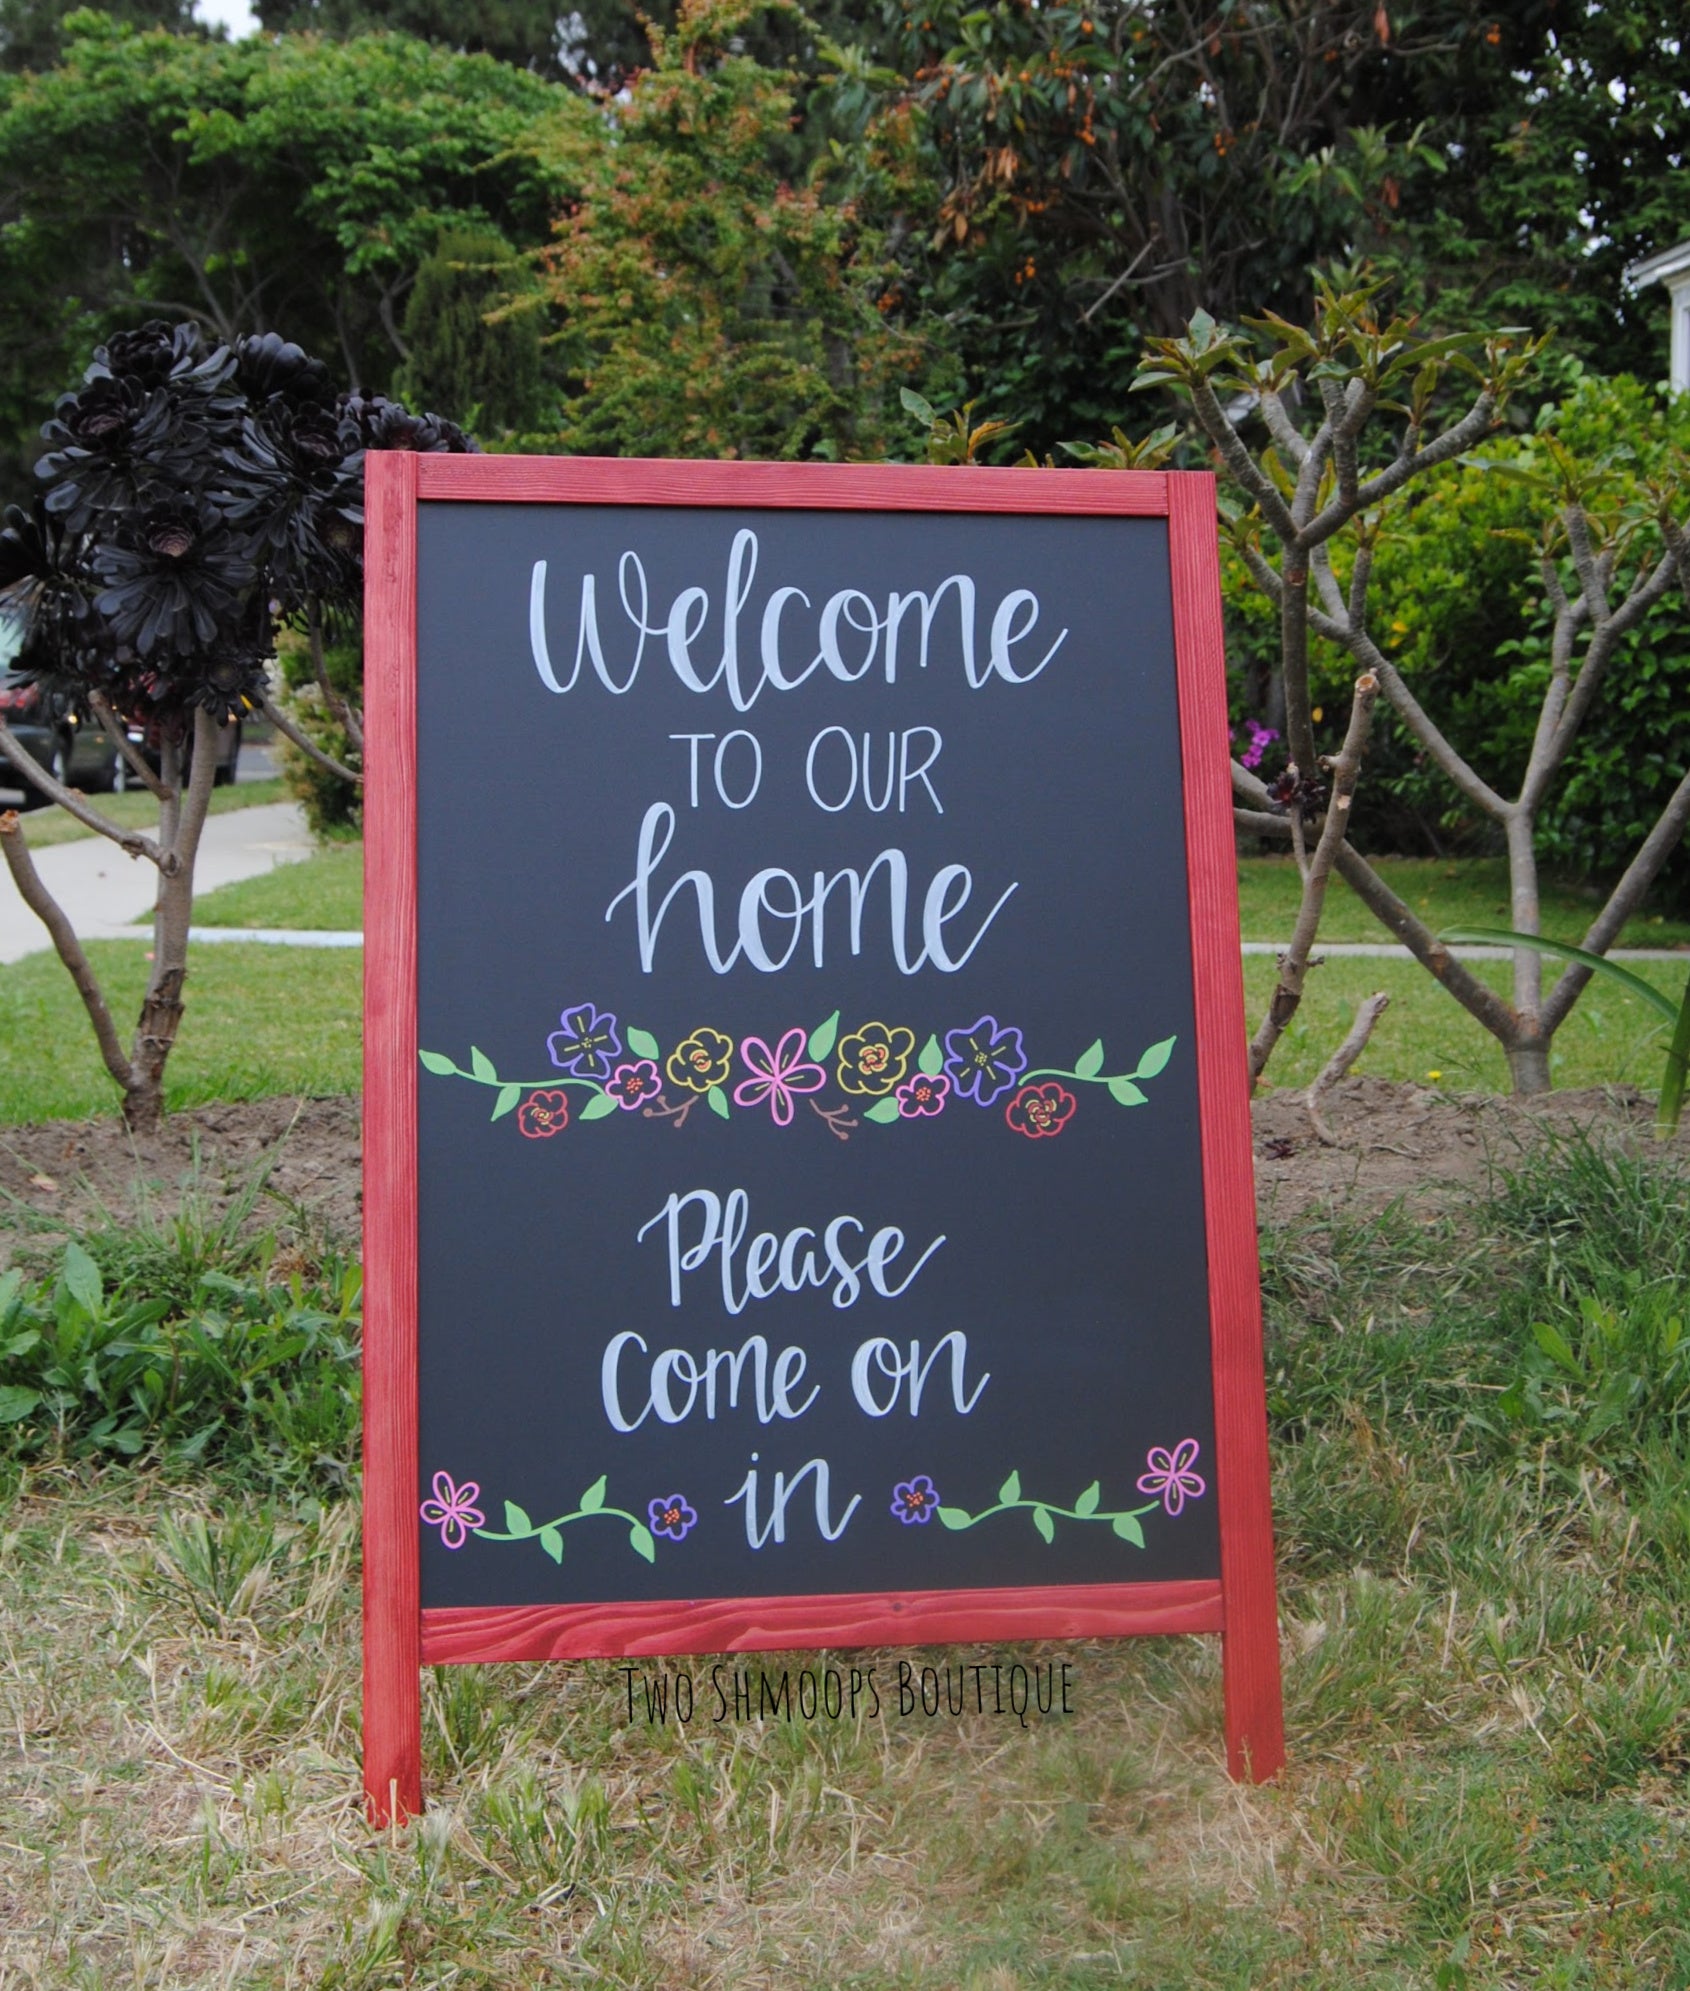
{"x": 1170, "y": 1475}
{"x": 586, "y": 1043}
{"x": 984, "y": 1060}
{"x": 672, "y": 1516}
{"x": 776, "y": 1075}
{"x": 915, "y": 1501}
{"x": 1261, "y": 738}
{"x": 452, "y": 1510}
{"x": 922, "y": 1095}
{"x": 633, "y": 1083}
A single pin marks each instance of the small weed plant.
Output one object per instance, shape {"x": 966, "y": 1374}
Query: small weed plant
{"x": 186, "y": 1343}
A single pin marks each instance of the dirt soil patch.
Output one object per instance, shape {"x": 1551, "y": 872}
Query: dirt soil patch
{"x": 1433, "y": 1149}
{"x": 65, "y": 1176}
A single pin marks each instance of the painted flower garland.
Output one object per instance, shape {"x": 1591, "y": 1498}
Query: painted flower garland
{"x": 880, "y": 1075}
{"x": 1170, "y": 1478}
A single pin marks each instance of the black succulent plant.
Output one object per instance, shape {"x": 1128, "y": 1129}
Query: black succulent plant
{"x": 194, "y": 494}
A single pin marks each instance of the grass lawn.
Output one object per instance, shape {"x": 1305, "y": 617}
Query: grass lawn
{"x": 1485, "y": 1588}
{"x": 328, "y": 891}
{"x": 259, "y": 1020}
{"x": 1461, "y": 891}
{"x": 266, "y": 1019}
{"x": 323, "y": 893}
{"x": 138, "y": 810}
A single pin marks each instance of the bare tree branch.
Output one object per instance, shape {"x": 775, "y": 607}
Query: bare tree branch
{"x": 75, "y": 803}
{"x": 1372, "y": 1008}
{"x": 47, "y": 909}
{"x": 283, "y": 724}
{"x": 1293, "y": 963}
{"x": 114, "y": 731}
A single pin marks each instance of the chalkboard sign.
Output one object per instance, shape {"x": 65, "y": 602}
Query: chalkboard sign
{"x": 807, "y": 1166}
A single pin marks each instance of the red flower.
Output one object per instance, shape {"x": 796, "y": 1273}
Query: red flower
{"x": 543, "y": 1114}
{"x": 1040, "y": 1111}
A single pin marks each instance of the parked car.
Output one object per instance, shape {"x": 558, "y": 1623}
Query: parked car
{"x": 228, "y": 749}
{"x": 76, "y": 751}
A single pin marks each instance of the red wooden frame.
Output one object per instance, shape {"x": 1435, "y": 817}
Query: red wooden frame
{"x": 399, "y": 1637}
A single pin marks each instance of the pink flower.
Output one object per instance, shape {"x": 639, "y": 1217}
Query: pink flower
{"x": 1170, "y": 1475}
{"x": 776, "y": 1075}
{"x": 452, "y": 1510}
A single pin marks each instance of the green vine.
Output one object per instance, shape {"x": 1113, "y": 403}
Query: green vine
{"x": 1124, "y": 1521}
{"x": 519, "y": 1528}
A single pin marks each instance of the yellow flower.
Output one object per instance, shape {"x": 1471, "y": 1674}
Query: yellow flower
{"x": 873, "y": 1059}
{"x": 1434, "y": 1076}
{"x": 701, "y": 1060}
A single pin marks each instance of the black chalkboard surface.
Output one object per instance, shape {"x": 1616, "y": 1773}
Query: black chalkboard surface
{"x": 977, "y": 1268}
{"x": 806, "y": 1090}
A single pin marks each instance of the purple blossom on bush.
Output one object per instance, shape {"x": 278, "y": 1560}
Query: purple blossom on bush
{"x": 1261, "y": 738}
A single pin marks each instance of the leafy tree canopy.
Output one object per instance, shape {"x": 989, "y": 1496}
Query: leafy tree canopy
{"x": 712, "y": 305}
{"x": 32, "y": 32}
{"x": 295, "y": 184}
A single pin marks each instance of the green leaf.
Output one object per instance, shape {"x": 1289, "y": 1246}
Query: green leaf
{"x": 552, "y": 1542}
{"x": 1045, "y": 1525}
{"x": 1010, "y": 1491}
{"x": 1671, "y": 1105}
{"x": 593, "y": 1499}
{"x": 598, "y": 1107}
{"x": 1154, "y": 1061}
{"x": 883, "y": 1112}
{"x": 437, "y": 1061}
{"x": 643, "y": 1044}
{"x": 823, "y": 1038}
{"x": 16, "y": 1403}
{"x": 718, "y": 1102}
{"x": 932, "y": 1059}
{"x": 1090, "y": 1062}
{"x": 1126, "y": 1526}
{"x": 916, "y": 405}
{"x": 1501, "y": 937}
{"x": 516, "y": 1521}
{"x": 1125, "y": 1093}
{"x": 1556, "y": 1346}
{"x": 82, "y": 1279}
{"x": 508, "y": 1096}
{"x": 639, "y": 1540}
{"x": 954, "y": 1517}
{"x": 482, "y": 1065}
{"x": 1087, "y": 1502}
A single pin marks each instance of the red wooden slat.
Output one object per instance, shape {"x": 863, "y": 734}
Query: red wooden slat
{"x": 607, "y": 480}
{"x": 392, "y": 1655}
{"x": 779, "y": 1624}
{"x": 1255, "y": 1722}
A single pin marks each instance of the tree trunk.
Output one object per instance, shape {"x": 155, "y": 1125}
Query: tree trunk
{"x": 1528, "y": 1064}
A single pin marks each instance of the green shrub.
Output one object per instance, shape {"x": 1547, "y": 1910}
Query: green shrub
{"x": 1458, "y": 605}
{"x": 220, "y": 1366}
{"x": 333, "y": 807}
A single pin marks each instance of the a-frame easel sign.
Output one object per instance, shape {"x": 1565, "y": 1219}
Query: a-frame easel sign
{"x": 807, "y": 1165}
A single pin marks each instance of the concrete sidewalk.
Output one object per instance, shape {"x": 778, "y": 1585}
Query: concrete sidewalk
{"x": 104, "y": 891}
